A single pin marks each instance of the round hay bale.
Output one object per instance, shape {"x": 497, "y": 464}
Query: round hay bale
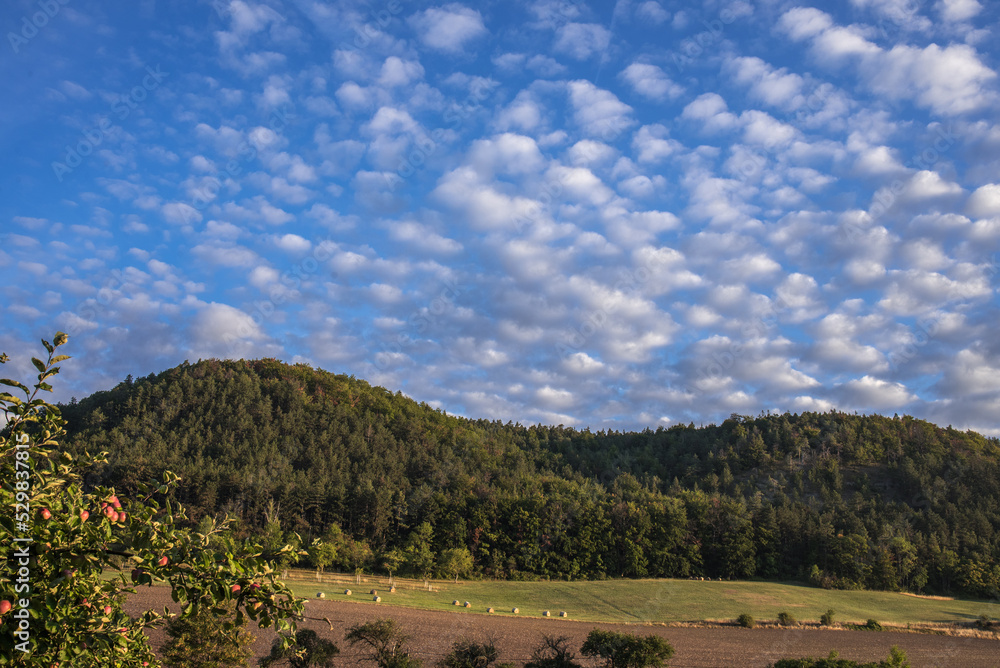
{"x": 455, "y": 602}
{"x": 320, "y": 594}
{"x": 564, "y": 614}
{"x": 489, "y": 610}
{"x": 373, "y": 592}
{"x": 467, "y": 605}
{"x": 377, "y": 599}
{"x": 546, "y": 614}
{"x": 392, "y": 590}
{"x": 515, "y": 610}
{"x": 347, "y": 592}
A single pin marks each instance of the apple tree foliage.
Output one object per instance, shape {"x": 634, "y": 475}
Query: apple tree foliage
{"x": 63, "y": 539}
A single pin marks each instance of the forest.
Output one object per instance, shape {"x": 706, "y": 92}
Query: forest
{"x": 839, "y": 500}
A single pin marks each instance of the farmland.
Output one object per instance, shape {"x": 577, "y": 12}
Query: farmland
{"x": 643, "y": 601}
{"x": 433, "y": 630}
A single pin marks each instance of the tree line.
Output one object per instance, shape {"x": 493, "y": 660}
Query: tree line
{"x": 842, "y": 500}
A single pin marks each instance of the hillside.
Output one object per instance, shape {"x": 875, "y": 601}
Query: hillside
{"x": 843, "y": 500}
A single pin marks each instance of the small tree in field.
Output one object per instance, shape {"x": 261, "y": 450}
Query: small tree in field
{"x": 553, "y": 653}
{"x": 471, "y": 654}
{"x": 308, "y": 650}
{"x": 386, "y": 643}
{"x": 63, "y": 535}
{"x": 455, "y": 561}
{"x": 622, "y": 650}
{"x": 194, "y": 641}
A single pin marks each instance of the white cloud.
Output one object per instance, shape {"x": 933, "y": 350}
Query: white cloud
{"x": 650, "y": 81}
{"x": 984, "y": 202}
{"x": 958, "y": 10}
{"x": 179, "y": 213}
{"x": 582, "y": 40}
{"x": 598, "y": 111}
{"x": 652, "y": 12}
{"x": 449, "y": 28}
{"x": 870, "y": 392}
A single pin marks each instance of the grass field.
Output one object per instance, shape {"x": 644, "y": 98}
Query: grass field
{"x": 640, "y": 601}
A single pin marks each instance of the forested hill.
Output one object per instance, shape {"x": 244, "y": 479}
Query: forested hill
{"x": 843, "y": 500}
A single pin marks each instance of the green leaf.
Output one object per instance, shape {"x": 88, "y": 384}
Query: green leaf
{"x": 48, "y": 346}
{"x": 60, "y": 358}
{"x": 39, "y": 364}
{"x": 61, "y": 338}
{"x": 13, "y": 383}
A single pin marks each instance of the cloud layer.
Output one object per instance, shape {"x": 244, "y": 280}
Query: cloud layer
{"x": 552, "y": 213}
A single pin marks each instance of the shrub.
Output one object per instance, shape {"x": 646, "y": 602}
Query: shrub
{"x": 984, "y": 622}
{"x": 470, "y": 654}
{"x": 826, "y": 619}
{"x": 873, "y": 625}
{"x": 746, "y": 621}
{"x": 307, "y": 650}
{"x": 386, "y": 643}
{"x": 553, "y": 653}
{"x": 622, "y": 650}
{"x": 897, "y": 659}
{"x": 194, "y": 641}
{"x": 786, "y": 619}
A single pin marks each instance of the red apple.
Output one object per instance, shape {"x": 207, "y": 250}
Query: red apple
{"x": 68, "y": 573}
{"x": 114, "y": 502}
{"x": 163, "y": 561}
{"x": 235, "y": 589}
{"x": 45, "y": 514}
{"x": 107, "y": 610}
{"x": 84, "y": 515}
{"x": 121, "y": 516}
{"x": 4, "y": 607}
{"x": 136, "y": 574}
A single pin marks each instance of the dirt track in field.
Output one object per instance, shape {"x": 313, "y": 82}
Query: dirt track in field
{"x": 433, "y": 633}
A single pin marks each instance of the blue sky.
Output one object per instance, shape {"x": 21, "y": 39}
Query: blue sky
{"x": 614, "y": 215}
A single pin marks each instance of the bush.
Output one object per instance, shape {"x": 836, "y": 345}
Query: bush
{"x": 746, "y": 621}
{"x": 984, "y": 622}
{"x": 873, "y": 625}
{"x": 897, "y": 659}
{"x": 194, "y": 641}
{"x": 786, "y": 619}
{"x": 826, "y": 619}
{"x": 386, "y": 642}
{"x": 553, "y": 653}
{"x": 469, "y": 654}
{"x": 307, "y": 650}
{"x": 622, "y": 650}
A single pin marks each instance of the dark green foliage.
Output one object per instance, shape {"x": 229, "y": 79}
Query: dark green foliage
{"x": 984, "y": 622}
{"x": 308, "y": 650}
{"x": 385, "y": 641}
{"x": 194, "y": 642}
{"x": 623, "y": 650}
{"x": 553, "y": 653}
{"x": 870, "y": 501}
{"x": 870, "y": 625}
{"x": 826, "y": 619}
{"x": 470, "y": 654}
{"x": 746, "y": 621}
{"x": 786, "y": 619}
{"x": 897, "y": 659}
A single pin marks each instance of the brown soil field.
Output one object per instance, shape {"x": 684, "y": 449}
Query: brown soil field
{"x": 696, "y": 647}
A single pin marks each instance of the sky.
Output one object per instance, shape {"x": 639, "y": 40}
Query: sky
{"x": 614, "y": 215}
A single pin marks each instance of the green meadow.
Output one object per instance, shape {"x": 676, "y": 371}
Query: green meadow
{"x": 650, "y": 601}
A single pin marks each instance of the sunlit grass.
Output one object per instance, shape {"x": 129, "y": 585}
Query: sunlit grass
{"x": 641, "y": 601}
